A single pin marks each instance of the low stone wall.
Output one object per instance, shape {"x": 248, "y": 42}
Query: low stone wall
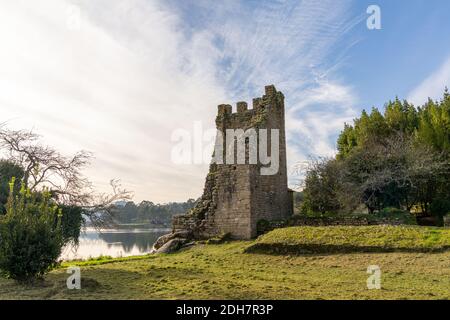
{"x": 431, "y": 221}
{"x": 329, "y": 221}
{"x": 182, "y": 222}
{"x": 201, "y": 229}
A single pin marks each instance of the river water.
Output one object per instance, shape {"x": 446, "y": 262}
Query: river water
{"x": 121, "y": 242}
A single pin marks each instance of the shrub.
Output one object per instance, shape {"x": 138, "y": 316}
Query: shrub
{"x": 30, "y": 235}
{"x": 71, "y": 223}
{"x": 7, "y": 171}
{"x": 262, "y": 226}
{"x": 440, "y": 206}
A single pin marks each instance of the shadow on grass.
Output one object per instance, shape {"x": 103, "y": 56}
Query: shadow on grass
{"x": 280, "y": 249}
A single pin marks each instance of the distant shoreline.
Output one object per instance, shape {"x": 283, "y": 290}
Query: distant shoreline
{"x": 118, "y": 230}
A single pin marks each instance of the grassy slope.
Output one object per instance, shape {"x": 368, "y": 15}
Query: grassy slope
{"x": 353, "y": 239}
{"x": 226, "y": 272}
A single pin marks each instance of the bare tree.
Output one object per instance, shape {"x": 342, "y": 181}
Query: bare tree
{"x": 397, "y": 170}
{"x": 44, "y": 166}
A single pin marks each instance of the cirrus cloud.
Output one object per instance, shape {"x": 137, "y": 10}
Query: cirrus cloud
{"x": 120, "y": 81}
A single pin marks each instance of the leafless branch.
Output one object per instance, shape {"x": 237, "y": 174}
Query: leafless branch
{"x": 44, "y": 166}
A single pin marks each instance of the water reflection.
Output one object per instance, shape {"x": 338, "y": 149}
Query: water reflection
{"x": 113, "y": 242}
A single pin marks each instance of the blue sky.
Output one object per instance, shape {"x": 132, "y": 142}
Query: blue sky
{"x": 380, "y": 64}
{"x": 413, "y": 43}
{"x": 118, "y": 78}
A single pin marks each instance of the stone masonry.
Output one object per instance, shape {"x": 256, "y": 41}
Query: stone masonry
{"x": 237, "y": 196}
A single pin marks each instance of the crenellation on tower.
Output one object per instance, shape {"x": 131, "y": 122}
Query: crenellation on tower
{"x": 270, "y": 90}
{"x": 241, "y": 106}
{"x": 225, "y": 109}
{"x": 256, "y": 103}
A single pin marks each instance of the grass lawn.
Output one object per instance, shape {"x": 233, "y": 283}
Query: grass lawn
{"x": 225, "y": 271}
{"x": 353, "y": 239}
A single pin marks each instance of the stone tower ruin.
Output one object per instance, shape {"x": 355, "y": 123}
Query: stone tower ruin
{"x": 237, "y": 196}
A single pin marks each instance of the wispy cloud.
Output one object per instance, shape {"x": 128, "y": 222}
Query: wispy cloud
{"x": 115, "y": 86}
{"x": 287, "y": 42}
{"x": 297, "y": 45}
{"x": 433, "y": 86}
{"x": 137, "y": 70}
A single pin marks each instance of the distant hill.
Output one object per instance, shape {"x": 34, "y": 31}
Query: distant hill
{"x": 125, "y": 212}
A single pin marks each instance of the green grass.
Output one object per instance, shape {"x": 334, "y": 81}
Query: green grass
{"x": 99, "y": 260}
{"x": 225, "y": 271}
{"x": 352, "y": 239}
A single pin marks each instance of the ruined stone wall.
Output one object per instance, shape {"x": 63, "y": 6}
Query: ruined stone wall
{"x": 271, "y": 199}
{"x": 237, "y": 196}
{"x": 233, "y": 211}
